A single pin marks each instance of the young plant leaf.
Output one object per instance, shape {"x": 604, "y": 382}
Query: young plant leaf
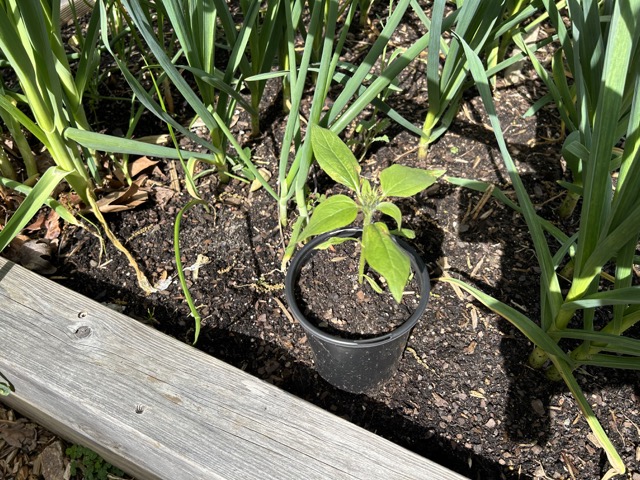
{"x": 366, "y": 190}
{"x": 401, "y": 181}
{"x": 392, "y": 210}
{"x": 373, "y": 284}
{"x": 384, "y": 255}
{"x": 335, "y": 241}
{"x": 335, "y": 212}
{"x": 404, "y": 232}
{"x": 335, "y": 158}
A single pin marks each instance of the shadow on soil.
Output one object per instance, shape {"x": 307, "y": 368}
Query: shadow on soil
{"x": 268, "y": 361}
{"x": 527, "y": 416}
{"x": 274, "y": 364}
{"x": 303, "y": 381}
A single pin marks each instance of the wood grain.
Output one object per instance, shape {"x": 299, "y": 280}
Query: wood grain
{"x": 158, "y": 408}
{"x": 80, "y": 8}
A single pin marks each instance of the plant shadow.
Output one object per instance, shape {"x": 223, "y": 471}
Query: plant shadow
{"x": 276, "y": 365}
{"x": 534, "y": 402}
{"x": 285, "y": 359}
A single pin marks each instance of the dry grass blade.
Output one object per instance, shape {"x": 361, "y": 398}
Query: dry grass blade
{"x": 143, "y": 282}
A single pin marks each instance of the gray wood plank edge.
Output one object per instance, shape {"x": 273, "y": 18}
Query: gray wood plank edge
{"x": 74, "y": 8}
{"x": 158, "y": 408}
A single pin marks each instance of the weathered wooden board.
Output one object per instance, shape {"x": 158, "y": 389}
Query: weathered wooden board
{"x": 158, "y": 408}
{"x": 71, "y": 9}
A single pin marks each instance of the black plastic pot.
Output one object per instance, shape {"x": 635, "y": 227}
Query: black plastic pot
{"x": 356, "y": 366}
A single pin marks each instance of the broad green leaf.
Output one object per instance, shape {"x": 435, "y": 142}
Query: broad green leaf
{"x": 335, "y": 158}
{"x": 594, "y": 215}
{"x": 384, "y": 255}
{"x": 31, "y": 204}
{"x": 392, "y": 210}
{"x": 404, "y": 232}
{"x": 401, "y": 181}
{"x": 335, "y": 212}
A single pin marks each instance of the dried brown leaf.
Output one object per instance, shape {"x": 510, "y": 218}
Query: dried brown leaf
{"x": 265, "y": 174}
{"x": 141, "y": 164}
{"x": 122, "y": 200}
{"x": 52, "y": 224}
{"x": 469, "y": 349}
{"x": 163, "y": 195}
{"x": 175, "y": 180}
{"x": 439, "y": 401}
{"x": 36, "y": 224}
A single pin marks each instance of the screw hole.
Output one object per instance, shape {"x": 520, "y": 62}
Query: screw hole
{"x": 82, "y": 332}
{"x": 139, "y": 408}
{"x": 82, "y": 314}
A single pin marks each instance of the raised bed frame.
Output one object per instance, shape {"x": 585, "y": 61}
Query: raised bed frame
{"x": 158, "y": 408}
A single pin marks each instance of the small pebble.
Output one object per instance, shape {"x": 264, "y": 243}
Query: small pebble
{"x": 538, "y": 407}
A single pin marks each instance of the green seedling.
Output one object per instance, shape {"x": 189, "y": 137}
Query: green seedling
{"x": 377, "y": 246}
{"x": 90, "y": 465}
{"x": 369, "y": 132}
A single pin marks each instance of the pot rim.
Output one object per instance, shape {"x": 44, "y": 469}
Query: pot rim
{"x": 303, "y": 256}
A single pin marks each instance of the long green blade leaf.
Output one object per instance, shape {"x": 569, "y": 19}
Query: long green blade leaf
{"x": 545, "y": 259}
{"x": 618, "y": 296}
{"x": 109, "y": 143}
{"x": 31, "y": 204}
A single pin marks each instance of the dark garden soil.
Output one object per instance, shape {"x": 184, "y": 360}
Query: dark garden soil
{"x": 331, "y": 297}
{"x": 464, "y": 395}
